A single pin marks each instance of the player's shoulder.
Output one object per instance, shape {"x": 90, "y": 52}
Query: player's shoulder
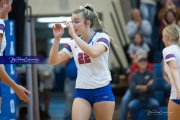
{"x": 101, "y": 35}
{"x": 169, "y": 49}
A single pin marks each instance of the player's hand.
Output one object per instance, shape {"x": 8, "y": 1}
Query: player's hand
{"x": 5, "y": 8}
{"x": 21, "y": 93}
{"x": 70, "y": 28}
{"x": 58, "y": 31}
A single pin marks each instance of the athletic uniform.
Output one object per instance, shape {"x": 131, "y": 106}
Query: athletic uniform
{"x": 3, "y": 44}
{"x": 172, "y": 53}
{"x": 93, "y": 80}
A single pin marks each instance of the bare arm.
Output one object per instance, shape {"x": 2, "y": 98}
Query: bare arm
{"x": 91, "y": 51}
{"x": 165, "y": 75}
{"x": 175, "y": 74}
{"x": 56, "y": 57}
{"x": 5, "y": 78}
{"x": 1, "y": 37}
{"x": 19, "y": 90}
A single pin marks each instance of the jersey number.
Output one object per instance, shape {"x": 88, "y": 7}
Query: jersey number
{"x": 83, "y": 58}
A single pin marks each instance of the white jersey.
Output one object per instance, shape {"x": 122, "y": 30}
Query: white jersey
{"x": 92, "y": 72}
{"x": 3, "y": 44}
{"x": 172, "y": 53}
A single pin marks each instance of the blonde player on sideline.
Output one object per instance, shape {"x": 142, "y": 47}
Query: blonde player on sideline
{"x": 90, "y": 52}
{"x": 171, "y": 55}
{"x": 5, "y": 8}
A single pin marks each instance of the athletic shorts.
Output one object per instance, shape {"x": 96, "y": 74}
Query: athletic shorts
{"x": 0, "y": 88}
{"x": 177, "y": 101}
{"x": 95, "y": 95}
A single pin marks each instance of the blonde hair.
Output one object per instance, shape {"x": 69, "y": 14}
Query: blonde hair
{"x": 90, "y": 15}
{"x": 173, "y": 32}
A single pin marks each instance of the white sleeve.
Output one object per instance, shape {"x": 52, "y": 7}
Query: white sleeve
{"x": 68, "y": 50}
{"x": 105, "y": 40}
{"x": 168, "y": 54}
{"x": 2, "y": 26}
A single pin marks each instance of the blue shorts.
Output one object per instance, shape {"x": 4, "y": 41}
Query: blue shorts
{"x": 177, "y": 101}
{"x": 96, "y": 95}
{"x": 0, "y": 88}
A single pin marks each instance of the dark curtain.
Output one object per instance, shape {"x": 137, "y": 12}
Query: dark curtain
{"x": 18, "y": 15}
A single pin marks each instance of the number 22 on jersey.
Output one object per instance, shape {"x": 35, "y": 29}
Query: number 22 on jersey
{"x": 83, "y": 58}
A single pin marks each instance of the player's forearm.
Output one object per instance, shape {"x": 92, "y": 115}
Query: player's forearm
{"x": 6, "y": 79}
{"x": 89, "y": 50}
{"x": 175, "y": 75}
{"x": 54, "y": 51}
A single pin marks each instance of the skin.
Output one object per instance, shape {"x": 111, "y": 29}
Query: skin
{"x": 5, "y": 8}
{"x": 173, "y": 107}
{"x": 136, "y": 16}
{"x": 81, "y": 27}
{"x": 170, "y": 19}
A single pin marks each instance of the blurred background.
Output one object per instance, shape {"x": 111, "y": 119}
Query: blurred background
{"x": 133, "y": 24}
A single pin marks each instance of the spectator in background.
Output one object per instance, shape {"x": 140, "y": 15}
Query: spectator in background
{"x": 138, "y": 43}
{"x": 169, "y": 5}
{"x": 169, "y": 18}
{"x": 148, "y": 10}
{"x": 128, "y": 96}
{"x": 137, "y": 24}
{"x": 134, "y": 66}
{"x": 46, "y": 83}
{"x": 142, "y": 88}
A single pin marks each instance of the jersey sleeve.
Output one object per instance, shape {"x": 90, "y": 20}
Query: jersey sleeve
{"x": 2, "y": 26}
{"x": 168, "y": 54}
{"x": 67, "y": 48}
{"x": 105, "y": 40}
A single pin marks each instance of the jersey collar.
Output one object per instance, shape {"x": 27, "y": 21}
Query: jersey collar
{"x": 92, "y": 37}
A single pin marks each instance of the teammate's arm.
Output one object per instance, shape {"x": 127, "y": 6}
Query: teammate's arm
{"x": 175, "y": 74}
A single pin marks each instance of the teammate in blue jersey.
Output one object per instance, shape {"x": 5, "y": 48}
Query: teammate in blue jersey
{"x": 171, "y": 56}
{"x": 5, "y": 8}
{"x": 90, "y": 52}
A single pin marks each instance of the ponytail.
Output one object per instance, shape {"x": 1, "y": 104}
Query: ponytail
{"x": 89, "y": 14}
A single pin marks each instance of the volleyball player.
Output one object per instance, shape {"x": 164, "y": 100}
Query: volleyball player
{"x": 5, "y": 8}
{"x": 171, "y": 55}
{"x": 90, "y": 52}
